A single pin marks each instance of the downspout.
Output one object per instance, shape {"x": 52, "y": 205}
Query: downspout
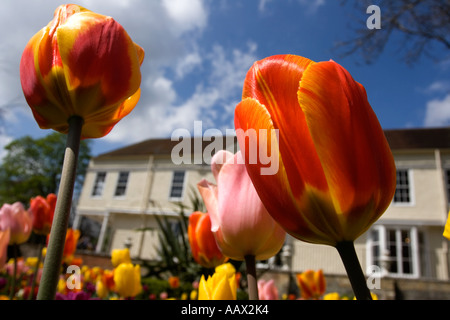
{"x": 445, "y": 207}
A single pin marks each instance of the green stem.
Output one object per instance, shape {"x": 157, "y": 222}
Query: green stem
{"x": 55, "y": 248}
{"x": 12, "y": 291}
{"x": 251, "y": 277}
{"x": 355, "y": 274}
{"x": 36, "y": 268}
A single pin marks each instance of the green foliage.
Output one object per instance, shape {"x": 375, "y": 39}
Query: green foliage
{"x": 33, "y": 167}
{"x": 157, "y": 286}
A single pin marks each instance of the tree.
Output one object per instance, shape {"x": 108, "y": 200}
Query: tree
{"x": 424, "y": 26}
{"x": 33, "y": 167}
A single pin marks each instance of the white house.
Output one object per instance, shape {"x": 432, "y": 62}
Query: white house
{"x": 125, "y": 188}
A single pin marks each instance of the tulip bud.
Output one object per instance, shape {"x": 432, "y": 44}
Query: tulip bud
{"x": 81, "y": 64}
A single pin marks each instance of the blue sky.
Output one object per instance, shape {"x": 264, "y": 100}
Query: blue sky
{"x": 197, "y": 55}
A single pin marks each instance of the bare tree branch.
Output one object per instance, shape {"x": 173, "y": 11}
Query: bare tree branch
{"x": 423, "y": 24}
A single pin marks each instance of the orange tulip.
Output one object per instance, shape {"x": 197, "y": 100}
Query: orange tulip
{"x": 4, "y": 241}
{"x": 81, "y": 64}
{"x": 203, "y": 244}
{"x": 336, "y": 172}
{"x": 174, "y": 282}
{"x": 70, "y": 245}
{"x": 312, "y": 284}
{"x": 42, "y": 211}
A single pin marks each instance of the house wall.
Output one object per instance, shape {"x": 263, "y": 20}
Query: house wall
{"x": 136, "y": 187}
{"x": 428, "y": 192}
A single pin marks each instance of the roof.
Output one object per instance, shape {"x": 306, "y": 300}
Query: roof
{"x": 399, "y": 139}
{"x": 422, "y": 138}
{"x": 162, "y": 147}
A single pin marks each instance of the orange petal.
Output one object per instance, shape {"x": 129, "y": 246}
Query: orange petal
{"x": 349, "y": 140}
{"x": 274, "y": 83}
{"x": 275, "y": 190}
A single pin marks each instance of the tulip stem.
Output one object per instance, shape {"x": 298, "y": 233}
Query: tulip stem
{"x": 36, "y": 268}
{"x": 13, "y": 285}
{"x": 355, "y": 274}
{"x": 55, "y": 248}
{"x": 251, "y": 277}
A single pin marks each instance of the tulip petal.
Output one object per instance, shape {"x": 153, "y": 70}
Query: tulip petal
{"x": 274, "y": 83}
{"x": 235, "y": 187}
{"x": 203, "y": 289}
{"x": 275, "y": 190}
{"x": 353, "y": 150}
{"x": 94, "y": 50}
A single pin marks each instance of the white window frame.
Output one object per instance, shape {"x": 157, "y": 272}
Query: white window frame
{"x": 384, "y": 257}
{"x": 411, "y": 190}
{"x": 122, "y": 184}
{"x": 178, "y": 184}
{"x": 98, "y": 185}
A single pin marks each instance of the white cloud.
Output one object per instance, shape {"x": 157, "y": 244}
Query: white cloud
{"x": 438, "y": 86}
{"x": 187, "y": 64}
{"x": 438, "y": 112}
{"x": 186, "y": 15}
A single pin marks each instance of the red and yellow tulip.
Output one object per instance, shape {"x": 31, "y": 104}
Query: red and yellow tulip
{"x": 81, "y": 64}
{"x": 336, "y": 172}
{"x": 312, "y": 284}
{"x": 42, "y": 211}
{"x": 202, "y": 242}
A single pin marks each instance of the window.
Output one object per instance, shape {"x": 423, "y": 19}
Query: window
{"x": 395, "y": 250}
{"x": 99, "y": 184}
{"x": 403, "y": 190}
{"x": 121, "y": 184}
{"x": 176, "y": 190}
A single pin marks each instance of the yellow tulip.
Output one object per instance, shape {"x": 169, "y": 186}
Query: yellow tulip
{"x": 332, "y": 296}
{"x": 100, "y": 288}
{"x": 221, "y": 286}
{"x": 447, "y": 228}
{"x": 127, "y": 279}
{"x": 119, "y": 256}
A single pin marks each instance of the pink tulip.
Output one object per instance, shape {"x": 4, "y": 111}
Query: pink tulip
{"x": 4, "y": 240}
{"x": 18, "y": 220}
{"x": 267, "y": 290}
{"x": 21, "y": 267}
{"x": 240, "y": 222}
